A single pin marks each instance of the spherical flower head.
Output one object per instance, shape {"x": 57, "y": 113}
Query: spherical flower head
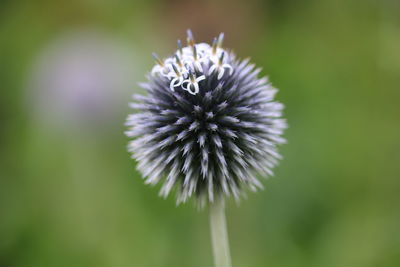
{"x": 208, "y": 126}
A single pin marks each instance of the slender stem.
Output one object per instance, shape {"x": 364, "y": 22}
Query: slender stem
{"x": 219, "y": 235}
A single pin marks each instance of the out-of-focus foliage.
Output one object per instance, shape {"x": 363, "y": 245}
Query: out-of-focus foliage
{"x": 70, "y": 195}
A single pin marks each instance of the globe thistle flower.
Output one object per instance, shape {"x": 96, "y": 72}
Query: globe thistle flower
{"x": 208, "y": 126}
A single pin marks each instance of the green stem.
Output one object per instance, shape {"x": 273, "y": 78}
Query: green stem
{"x": 219, "y": 235}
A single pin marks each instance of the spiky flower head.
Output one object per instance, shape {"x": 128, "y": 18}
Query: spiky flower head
{"x": 208, "y": 125}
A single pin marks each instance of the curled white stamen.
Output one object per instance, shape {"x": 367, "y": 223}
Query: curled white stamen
{"x": 221, "y": 70}
{"x": 220, "y": 67}
{"x": 175, "y": 82}
{"x": 176, "y": 76}
{"x": 192, "y": 82}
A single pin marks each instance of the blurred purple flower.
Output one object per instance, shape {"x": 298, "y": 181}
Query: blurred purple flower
{"x": 80, "y": 80}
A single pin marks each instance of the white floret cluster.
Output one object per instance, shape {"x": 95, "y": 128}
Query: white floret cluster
{"x": 193, "y": 64}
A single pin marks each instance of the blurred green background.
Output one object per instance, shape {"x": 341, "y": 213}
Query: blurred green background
{"x": 70, "y": 194}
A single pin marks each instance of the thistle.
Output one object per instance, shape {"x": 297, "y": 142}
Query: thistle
{"x": 208, "y": 127}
